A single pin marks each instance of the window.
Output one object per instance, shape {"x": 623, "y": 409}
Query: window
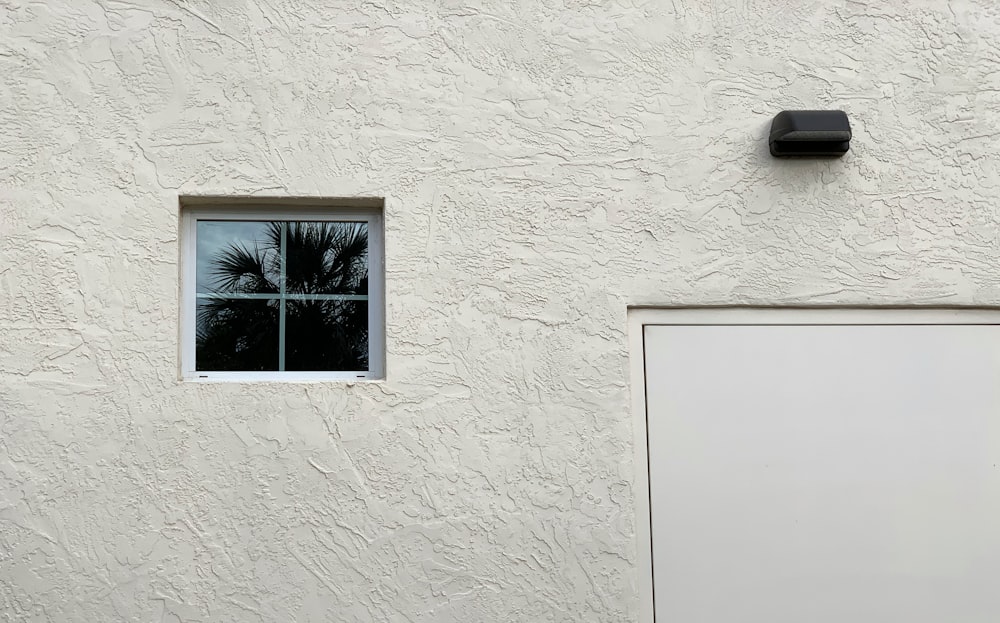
{"x": 281, "y": 292}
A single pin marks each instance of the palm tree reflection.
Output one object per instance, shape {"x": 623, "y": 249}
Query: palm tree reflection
{"x": 323, "y": 268}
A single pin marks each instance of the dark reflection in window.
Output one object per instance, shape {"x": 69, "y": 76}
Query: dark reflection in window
{"x": 237, "y": 335}
{"x": 326, "y": 335}
{"x": 282, "y": 295}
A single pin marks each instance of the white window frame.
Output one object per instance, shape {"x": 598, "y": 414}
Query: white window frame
{"x": 194, "y": 210}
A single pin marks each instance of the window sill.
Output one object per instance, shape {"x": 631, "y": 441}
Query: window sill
{"x": 280, "y": 377}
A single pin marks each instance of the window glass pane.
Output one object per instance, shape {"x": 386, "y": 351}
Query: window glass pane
{"x": 326, "y": 335}
{"x": 278, "y": 295}
{"x": 327, "y": 258}
{"x": 238, "y": 257}
{"x": 237, "y": 335}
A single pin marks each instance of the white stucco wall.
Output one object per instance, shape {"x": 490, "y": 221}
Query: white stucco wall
{"x": 545, "y": 165}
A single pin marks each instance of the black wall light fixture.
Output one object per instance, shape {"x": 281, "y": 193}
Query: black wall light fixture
{"x": 810, "y": 133}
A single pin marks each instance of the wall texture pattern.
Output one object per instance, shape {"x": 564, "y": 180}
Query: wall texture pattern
{"x": 545, "y": 165}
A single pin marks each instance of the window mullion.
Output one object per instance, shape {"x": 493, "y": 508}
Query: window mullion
{"x": 281, "y": 301}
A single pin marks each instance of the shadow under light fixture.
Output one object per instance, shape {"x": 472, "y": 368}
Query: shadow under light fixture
{"x": 810, "y": 133}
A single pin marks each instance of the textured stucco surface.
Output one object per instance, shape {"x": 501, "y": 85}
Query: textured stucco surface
{"x": 545, "y": 165}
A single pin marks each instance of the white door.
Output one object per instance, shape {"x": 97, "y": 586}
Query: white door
{"x": 824, "y": 474}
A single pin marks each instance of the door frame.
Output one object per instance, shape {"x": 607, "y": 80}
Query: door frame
{"x": 640, "y": 317}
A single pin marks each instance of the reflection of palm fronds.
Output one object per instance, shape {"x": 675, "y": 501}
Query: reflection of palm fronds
{"x": 240, "y": 269}
{"x": 327, "y": 259}
{"x": 320, "y": 258}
